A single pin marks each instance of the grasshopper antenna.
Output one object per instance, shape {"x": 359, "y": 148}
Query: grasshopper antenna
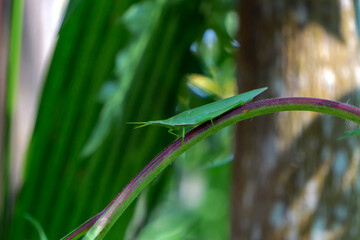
{"x": 143, "y": 124}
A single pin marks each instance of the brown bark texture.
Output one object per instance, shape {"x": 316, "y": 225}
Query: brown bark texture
{"x": 292, "y": 178}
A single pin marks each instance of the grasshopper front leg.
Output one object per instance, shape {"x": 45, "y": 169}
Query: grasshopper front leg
{"x": 171, "y": 132}
{"x": 182, "y": 136}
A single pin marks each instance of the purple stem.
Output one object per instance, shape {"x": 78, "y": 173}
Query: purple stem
{"x": 235, "y": 115}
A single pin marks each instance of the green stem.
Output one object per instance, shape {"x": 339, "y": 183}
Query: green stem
{"x": 159, "y": 163}
{"x": 11, "y": 96}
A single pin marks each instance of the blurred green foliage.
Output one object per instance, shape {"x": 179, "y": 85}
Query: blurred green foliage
{"x": 118, "y": 61}
{"x": 195, "y": 204}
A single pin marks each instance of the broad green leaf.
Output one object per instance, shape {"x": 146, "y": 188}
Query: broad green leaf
{"x": 61, "y": 188}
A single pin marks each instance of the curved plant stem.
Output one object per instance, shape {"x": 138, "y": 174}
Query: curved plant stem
{"x": 114, "y": 210}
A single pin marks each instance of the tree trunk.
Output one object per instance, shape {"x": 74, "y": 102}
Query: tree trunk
{"x": 292, "y": 178}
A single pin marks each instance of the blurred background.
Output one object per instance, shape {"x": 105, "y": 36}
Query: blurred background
{"x": 88, "y": 67}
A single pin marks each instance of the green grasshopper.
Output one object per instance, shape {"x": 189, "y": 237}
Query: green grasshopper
{"x": 199, "y": 115}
